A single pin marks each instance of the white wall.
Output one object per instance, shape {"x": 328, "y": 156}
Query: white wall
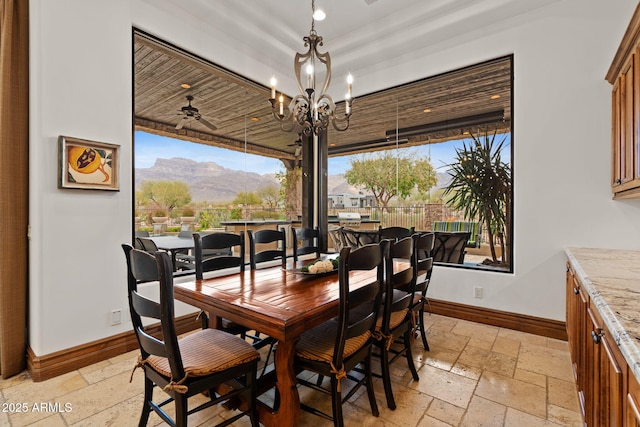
{"x": 81, "y": 86}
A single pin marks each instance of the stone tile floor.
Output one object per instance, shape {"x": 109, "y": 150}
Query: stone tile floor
{"x": 474, "y": 375}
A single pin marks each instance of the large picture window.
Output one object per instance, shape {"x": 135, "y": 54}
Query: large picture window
{"x": 432, "y": 155}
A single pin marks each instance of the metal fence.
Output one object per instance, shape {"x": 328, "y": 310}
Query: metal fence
{"x": 419, "y": 216}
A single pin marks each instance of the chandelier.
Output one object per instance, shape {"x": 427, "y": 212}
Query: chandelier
{"x": 311, "y": 112}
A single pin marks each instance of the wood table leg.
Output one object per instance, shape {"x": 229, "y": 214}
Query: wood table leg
{"x": 288, "y": 413}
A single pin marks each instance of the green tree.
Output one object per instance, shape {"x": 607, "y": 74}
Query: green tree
{"x": 270, "y": 195}
{"x": 164, "y": 195}
{"x": 388, "y": 174}
{"x": 481, "y": 186}
{"x": 247, "y": 198}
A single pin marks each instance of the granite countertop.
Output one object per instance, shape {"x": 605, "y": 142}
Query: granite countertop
{"x": 611, "y": 277}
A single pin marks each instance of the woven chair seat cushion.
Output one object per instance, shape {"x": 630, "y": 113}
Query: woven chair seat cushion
{"x": 206, "y": 352}
{"x": 397, "y": 317}
{"x": 318, "y": 343}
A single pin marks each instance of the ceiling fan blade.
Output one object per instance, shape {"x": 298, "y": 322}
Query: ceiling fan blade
{"x": 181, "y": 122}
{"x": 206, "y": 123}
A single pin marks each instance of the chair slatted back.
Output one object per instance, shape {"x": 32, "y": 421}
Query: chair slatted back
{"x": 369, "y": 257}
{"x": 424, "y": 261}
{"x": 145, "y": 267}
{"x": 215, "y": 252}
{"x": 308, "y": 239}
{"x": 404, "y": 280}
{"x": 277, "y": 237}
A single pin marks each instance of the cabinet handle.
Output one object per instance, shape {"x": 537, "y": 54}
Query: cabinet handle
{"x": 597, "y": 337}
{"x": 576, "y": 291}
{"x": 618, "y": 181}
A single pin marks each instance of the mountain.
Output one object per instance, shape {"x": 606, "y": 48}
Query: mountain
{"x": 208, "y": 181}
{"x": 211, "y": 182}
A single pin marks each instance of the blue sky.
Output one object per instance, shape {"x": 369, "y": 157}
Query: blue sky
{"x": 149, "y": 147}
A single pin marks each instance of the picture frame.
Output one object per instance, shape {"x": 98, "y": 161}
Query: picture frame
{"x": 88, "y": 165}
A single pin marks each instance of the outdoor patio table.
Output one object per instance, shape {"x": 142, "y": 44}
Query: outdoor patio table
{"x": 173, "y": 245}
{"x": 282, "y": 303}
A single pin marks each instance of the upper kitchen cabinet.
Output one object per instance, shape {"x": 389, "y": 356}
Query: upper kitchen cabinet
{"x": 624, "y": 75}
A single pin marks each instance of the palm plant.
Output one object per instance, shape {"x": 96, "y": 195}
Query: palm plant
{"x": 481, "y": 186}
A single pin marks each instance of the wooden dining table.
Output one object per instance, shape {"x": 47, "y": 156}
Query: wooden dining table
{"x": 280, "y": 302}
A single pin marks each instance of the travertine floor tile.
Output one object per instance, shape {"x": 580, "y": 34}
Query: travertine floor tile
{"x": 428, "y": 421}
{"x": 447, "y": 340}
{"x": 513, "y": 393}
{"x": 507, "y": 346}
{"x": 517, "y": 418}
{"x": 563, "y": 394}
{"x": 482, "y": 412}
{"x": 477, "y": 331}
{"x": 530, "y": 377}
{"x": 451, "y": 388}
{"x": 488, "y": 360}
{"x": 445, "y": 412}
{"x": 523, "y": 337}
{"x": 546, "y": 361}
{"x": 564, "y": 417}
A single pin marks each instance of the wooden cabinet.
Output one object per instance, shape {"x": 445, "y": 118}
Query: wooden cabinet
{"x": 633, "y": 403}
{"x": 605, "y": 363}
{"x": 577, "y": 303}
{"x": 599, "y": 367}
{"x": 624, "y": 75}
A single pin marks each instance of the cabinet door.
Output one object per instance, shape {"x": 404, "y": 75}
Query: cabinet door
{"x": 625, "y": 108}
{"x": 606, "y": 386}
{"x": 633, "y": 408}
{"x": 577, "y": 301}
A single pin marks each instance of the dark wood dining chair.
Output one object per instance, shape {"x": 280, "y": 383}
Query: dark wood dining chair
{"x": 424, "y": 265}
{"x": 394, "y": 328}
{"x": 278, "y": 238}
{"x": 217, "y": 251}
{"x": 449, "y": 247}
{"x": 305, "y": 241}
{"x": 184, "y": 367}
{"x": 334, "y": 348}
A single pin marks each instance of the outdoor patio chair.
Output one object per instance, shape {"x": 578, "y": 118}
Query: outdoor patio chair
{"x": 395, "y": 233}
{"x": 449, "y": 247}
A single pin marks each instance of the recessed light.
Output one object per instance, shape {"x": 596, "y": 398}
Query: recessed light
{"x": 255, "y": 119}
{"x": 426, "y": 110}
{"x": 185, "y": 86}
{"x": 495, "y": 97}
{"x": 332, "y": 144}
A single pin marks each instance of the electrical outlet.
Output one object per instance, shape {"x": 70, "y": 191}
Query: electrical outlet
{"x": 477, "y": 292}
{"x": 116, "y": 317}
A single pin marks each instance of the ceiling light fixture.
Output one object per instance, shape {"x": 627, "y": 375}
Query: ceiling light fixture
{"x": 185, "y": 86}
{"x": 312, "y": 110}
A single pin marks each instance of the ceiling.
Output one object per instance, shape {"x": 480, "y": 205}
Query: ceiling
{"x": 272, "y": 32}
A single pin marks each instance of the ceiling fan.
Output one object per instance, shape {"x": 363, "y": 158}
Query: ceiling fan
{"x": 190, "y": 112}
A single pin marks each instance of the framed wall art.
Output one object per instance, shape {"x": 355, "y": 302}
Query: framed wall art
{"x": 88, "y": 165}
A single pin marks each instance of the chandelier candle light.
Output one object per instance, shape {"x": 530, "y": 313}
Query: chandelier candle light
{"x": 311, "y": 111}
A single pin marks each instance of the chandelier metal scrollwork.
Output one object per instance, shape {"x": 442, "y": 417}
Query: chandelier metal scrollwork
{"x": 311, "y": 112}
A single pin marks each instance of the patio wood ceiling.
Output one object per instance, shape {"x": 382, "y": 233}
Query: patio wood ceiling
{"x": 240, "y": 108}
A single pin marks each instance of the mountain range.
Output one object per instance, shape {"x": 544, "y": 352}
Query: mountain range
{"x": 211, "y": 182}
